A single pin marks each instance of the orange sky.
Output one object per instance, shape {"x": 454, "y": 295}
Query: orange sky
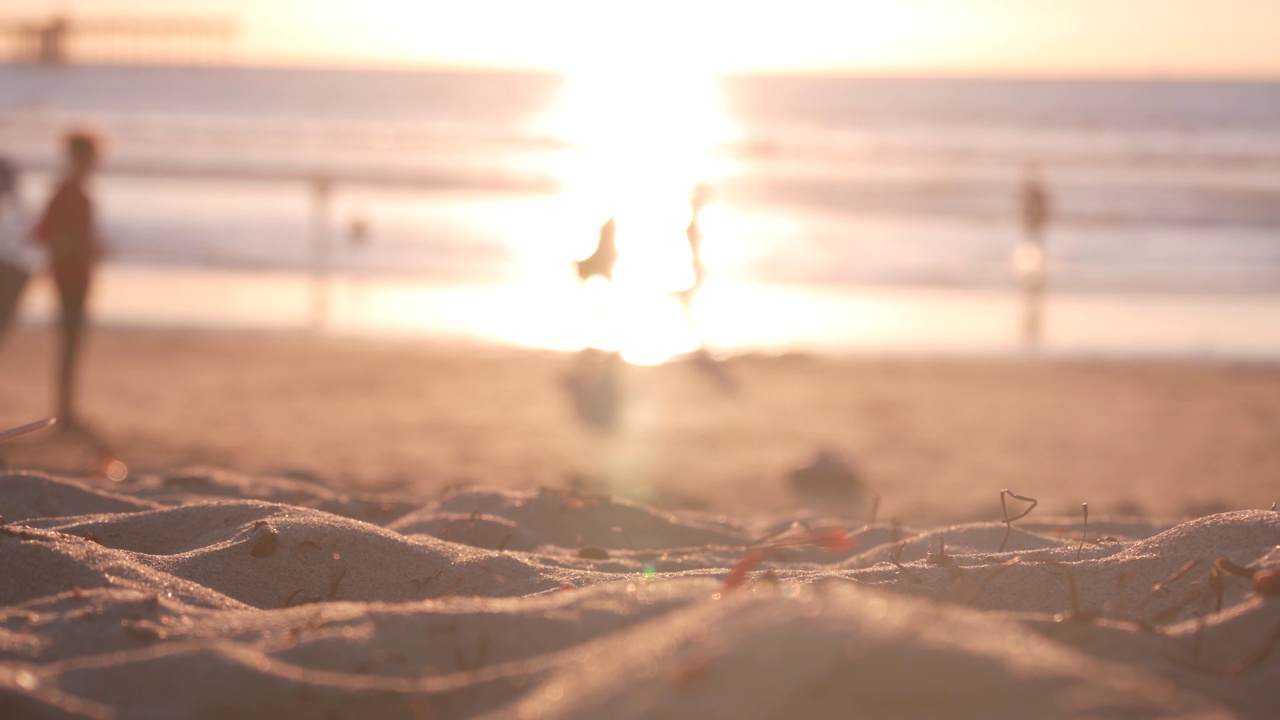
{"x": 1233, "y": 38}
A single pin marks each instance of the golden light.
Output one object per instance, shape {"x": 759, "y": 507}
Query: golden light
{"x": 643, "y": 126}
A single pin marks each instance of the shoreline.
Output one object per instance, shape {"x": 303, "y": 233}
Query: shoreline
{"x": 729, "y": 318}
{"x": 489, "y": 346}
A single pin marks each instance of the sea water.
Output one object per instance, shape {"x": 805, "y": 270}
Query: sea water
{"x": 847, "y": 214}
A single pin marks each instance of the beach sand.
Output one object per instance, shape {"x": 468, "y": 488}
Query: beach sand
{"x": 321, "y": 528}
{"x": 179, "y": 596}
{"x": 935, "y": 439}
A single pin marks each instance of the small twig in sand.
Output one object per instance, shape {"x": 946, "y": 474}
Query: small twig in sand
{"x": 1264, "y": 581}
{"x": 738, "y": 573}
{"x": 419, "y": 583}
{"x": 1225, "y": 565}
{"x": 831, "y": 539}
{"x": 1164, "y": 586}
{"x": 1219, "y": 586}
{"x": 289, "y": 601}
{"x": 1004, "y": 511}
{"x": 1085, "y": 532}
{"x": 941, "y": 558}
{"x": 29, "y": 428}
{"x": 795, "y": 524}
{"x": 902, "y": 570}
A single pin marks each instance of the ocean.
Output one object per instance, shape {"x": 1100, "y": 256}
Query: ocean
{"x": 847, "y": 213}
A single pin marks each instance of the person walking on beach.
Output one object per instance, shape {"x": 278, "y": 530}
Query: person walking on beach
{"x": 1029, "y": 257}
{"x": 67, "y": 228}
{"x": 15, "y": 268}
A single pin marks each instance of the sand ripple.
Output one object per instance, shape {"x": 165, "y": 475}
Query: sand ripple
{"x": 213, "y": 594}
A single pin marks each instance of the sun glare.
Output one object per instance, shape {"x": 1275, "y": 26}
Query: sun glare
{"x": 642, "y": 128}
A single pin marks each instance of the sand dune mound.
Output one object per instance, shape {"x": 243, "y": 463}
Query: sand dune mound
{"x": 31, "y": 495}
{"x": 975, "y": 539}
{"x": 215, "y": 483}
{"x": 1243, "y": 536}
{"x": 164, "y": 532}
{"x": 851, "y": 652}
{"x": 475, "y": 529}
{"x": 36, "y": 564}
{"x": 272, "y": 556}
{"x": 574, "y": 520}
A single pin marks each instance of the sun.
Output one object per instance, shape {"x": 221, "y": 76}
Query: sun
{"x": 643, "y": 128}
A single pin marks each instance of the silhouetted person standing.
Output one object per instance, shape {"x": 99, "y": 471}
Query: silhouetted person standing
{"x": 14, "y": 269}
{"x": 604, "y": 258}
{"x": 67, "y": 227}
{"x": 1029, "y": 258}
{"x": 693, "y": 234}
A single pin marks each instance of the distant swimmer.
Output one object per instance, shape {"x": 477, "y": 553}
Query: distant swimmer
{"x": 1029, "y": 257}
{"x": 1035, "y": 205}
{"x": 604, "y": 258}
{"x": 693, "y": 234}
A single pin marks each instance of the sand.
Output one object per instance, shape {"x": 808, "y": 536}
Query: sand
{"x": 180, "y": 596}
{"x": 323, "y": 528}
{"x": 936, "y": 439}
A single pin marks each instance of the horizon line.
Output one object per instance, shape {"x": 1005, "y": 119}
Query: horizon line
{"x": 938, "y": 74}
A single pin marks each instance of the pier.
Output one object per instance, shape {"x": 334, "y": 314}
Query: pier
{"x": 62, "y": 40}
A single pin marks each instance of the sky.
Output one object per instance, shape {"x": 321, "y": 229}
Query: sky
{"x": 1171, "y": 38}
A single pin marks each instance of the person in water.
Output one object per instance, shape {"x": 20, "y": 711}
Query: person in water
{"x": 1029, "y": 257}
{"x": 693, "y": 233}
{"x": 68, "y": 229}
{"x": 604, "y": 258}
{"x": 1035, "y": 206}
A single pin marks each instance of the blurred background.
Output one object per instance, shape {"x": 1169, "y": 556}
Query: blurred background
{"x": 431, "y": 171}
{"x": 437, "y": 164}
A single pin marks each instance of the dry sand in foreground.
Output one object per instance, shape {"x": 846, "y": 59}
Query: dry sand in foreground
{"x": 213, "y": 595}
{"x": 937, "y": 439}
